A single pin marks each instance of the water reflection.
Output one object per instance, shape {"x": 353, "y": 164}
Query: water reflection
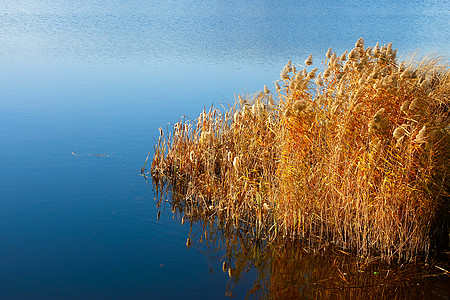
{"x": 244, "y": 32}
{"x": 286, "y": 269}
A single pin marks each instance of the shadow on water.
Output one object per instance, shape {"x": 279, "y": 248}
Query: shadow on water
{"x": 286, "y": 269}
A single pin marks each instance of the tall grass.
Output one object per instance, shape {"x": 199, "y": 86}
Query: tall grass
{"x": 356, "y": 155}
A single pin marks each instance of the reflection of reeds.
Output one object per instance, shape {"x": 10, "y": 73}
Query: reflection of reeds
{"x": 356, "y": 156}
{"x": 289, "y": 270}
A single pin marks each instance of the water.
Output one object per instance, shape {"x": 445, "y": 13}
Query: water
{"x": 84, "y": 86}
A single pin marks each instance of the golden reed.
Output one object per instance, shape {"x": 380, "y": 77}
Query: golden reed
{"x": 356, "y": 155}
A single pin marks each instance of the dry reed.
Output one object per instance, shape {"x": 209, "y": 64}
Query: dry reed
{"x": 356, "y": 156}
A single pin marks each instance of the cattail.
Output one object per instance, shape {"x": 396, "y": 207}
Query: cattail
{"x": 192, "y": 156}
{"x": 158, "y": 215}
{"x": 309, "y": 61}
{"x": 161, "y": 132}
{"x": 182, "y": 220}
{"x": 230, "y": 272}
{"x": 188, "y": 243}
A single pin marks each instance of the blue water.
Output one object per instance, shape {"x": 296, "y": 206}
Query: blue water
{"x": 84, "y": 86}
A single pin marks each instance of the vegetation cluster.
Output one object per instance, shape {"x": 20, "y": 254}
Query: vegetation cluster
{"x": 356, "y": 156}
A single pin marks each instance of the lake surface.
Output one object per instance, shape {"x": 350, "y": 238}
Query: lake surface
{"x": 84, "y": 86}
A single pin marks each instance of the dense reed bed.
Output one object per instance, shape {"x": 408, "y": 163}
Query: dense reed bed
{"x": 356, "y": 156}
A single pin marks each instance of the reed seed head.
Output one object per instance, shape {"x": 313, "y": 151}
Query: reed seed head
{"x": 329, "y": 53}
{"x": 421, "y": 136}
{"x": 376, "y": 50}
{"x": 400, "y": 131}
{"x": 405, "y": 107}
{"x": 360, "y": 43}
{"x": 236, "y": 117}
{"x": 379, "y": 122}
{"x": 343, "y": 57}
{"x": 353, "y": 55}
{"x": 312, "y": 73}
{"x": 309, "y": 61}
{"x": 277, "y": 86}
{"x": 299, "y": 106}
{"x": 414, "y": 105}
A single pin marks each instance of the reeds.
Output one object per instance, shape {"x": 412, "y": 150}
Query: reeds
{"x": 356, "y": 155}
